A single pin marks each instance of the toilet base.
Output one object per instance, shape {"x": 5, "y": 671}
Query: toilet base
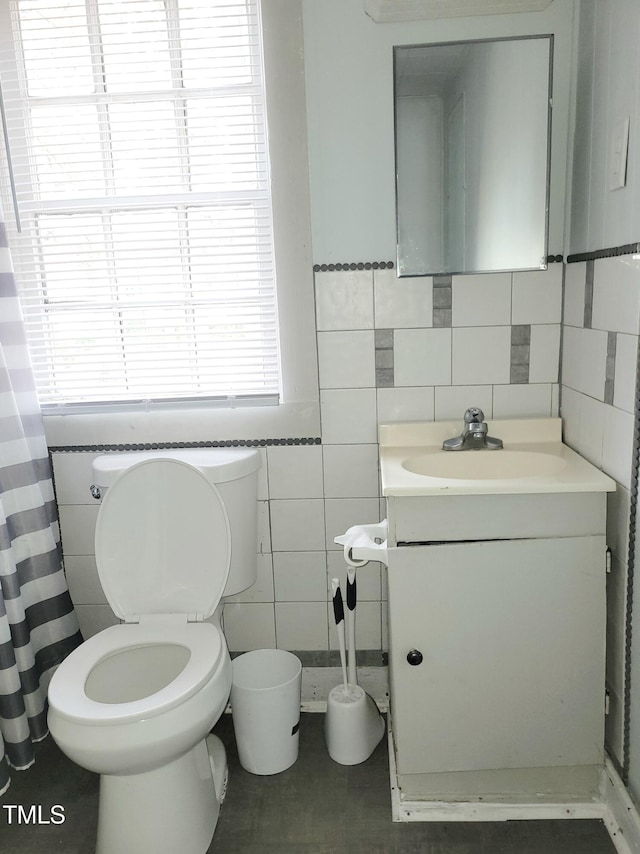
{"x": 219, "y": 766}
{"x": 171, "y": 809}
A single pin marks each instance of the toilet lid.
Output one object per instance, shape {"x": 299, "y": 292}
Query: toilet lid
{"x": 163, "y": 544}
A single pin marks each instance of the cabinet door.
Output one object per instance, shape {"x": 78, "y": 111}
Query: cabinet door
{"x": 512, "y": 638}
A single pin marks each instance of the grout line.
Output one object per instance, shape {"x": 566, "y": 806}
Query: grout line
{"x": 588, "y": 295}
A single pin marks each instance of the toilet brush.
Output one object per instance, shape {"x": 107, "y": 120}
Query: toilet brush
{"x": 351, "y": 625}
{"x": 353, "y": 725}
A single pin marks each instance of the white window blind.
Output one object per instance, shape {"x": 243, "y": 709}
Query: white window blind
{"x": 137, "y": 139}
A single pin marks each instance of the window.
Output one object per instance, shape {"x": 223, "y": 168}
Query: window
{"x": 137, "y": 138}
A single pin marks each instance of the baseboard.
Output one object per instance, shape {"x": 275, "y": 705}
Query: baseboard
{"x": 621, "y": 814}
{"x": 318, "y": 681}
{"x": 404, "y": 809}
{"x": 613, "y": 806}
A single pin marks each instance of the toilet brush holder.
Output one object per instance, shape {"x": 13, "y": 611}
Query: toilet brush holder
{"x": 353, "y": 726}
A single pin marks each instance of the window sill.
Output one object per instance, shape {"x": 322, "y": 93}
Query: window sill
{"x": 299, "y": 419}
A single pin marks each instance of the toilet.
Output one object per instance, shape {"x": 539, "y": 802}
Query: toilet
{"x": 135, "y": 703}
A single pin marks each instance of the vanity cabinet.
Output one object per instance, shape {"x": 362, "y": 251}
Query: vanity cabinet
{"x": 497, "y": 611}
{"x": 497, "y": 654}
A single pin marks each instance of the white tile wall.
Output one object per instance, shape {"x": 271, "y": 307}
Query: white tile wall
{"x": 295, "y": 471}
{"x": 411, "y": 403}
{"x": 297, "y": 525}
{"x": 344, "y": 300}
{"x": 583, "y": 424}
{"x": 309, "y": 493}
{"x": 250, "y": 626}
{"x": 300, "y": 576}
{"x": 303, "y": 625}
{"x": 77, "y": 524}
{"x": 525, "y": 400}
{"x": 616, "y": 295}
{"x": 545, "y": 353}
{"x": 455, "y": 399}
{"x": 625, "y": 375}
{"x": 537, "y": 299}
{"x": 603, "y": 432}
{"x": 351, "y": 471}
{"x": 584, "y": 360}
{"x": 83, "y": 581}
{"x": 401, "y": 303}
{"x": 481, "y": 355}
{"x": 263, "y": 589}
{"x": 574, "y": 286}
{"x": 348, "y": 416}
{"x": 617, "y": 444}
{"x": 346, "y": 359}
{"x": 73, "y": 478}
{"x": 422, "y": 357}
{"x": 482, "y": 300}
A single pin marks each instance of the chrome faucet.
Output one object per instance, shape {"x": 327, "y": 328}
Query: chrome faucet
{"x": 474, "y": 435}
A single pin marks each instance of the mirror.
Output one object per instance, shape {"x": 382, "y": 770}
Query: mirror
{"x": 472, "y": 141}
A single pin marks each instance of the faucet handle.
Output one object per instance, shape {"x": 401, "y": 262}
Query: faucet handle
{"x": 473, "y": 415}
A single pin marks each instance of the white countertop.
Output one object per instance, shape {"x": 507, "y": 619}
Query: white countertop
{"x": 409, "y": 441}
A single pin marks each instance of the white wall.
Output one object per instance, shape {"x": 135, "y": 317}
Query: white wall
{"x": 349, "y": 80}
{"x": 608, "y": 91}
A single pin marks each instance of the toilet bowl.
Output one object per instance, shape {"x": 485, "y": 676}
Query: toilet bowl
{"x": 136, "y": 702}
{"x": 176, "y": 682}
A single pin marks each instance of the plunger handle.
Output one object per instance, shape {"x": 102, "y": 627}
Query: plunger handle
{"x": 338, "y": 613}
{"x": 351, "y": 625}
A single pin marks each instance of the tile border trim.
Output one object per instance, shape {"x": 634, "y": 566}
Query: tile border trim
{"x": 354, "y": 265}
{"x": 331, "y": 657}
{"x": 390, "y": 265}
{"x": 612, "y": 252}
{"x": 164, "y": 446}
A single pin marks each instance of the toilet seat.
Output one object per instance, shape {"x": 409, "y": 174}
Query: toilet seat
{"x": 163, "y": 542}
{"x": 67, "y": 692}
{"x": 163, "y": 552}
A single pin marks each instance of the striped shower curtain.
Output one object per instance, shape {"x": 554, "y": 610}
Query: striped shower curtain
{"x": 38, "y": 626}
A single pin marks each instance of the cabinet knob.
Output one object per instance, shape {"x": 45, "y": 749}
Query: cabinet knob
{"x": 414, "y": 657}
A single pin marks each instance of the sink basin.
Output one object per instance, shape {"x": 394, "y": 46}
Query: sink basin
{"x": 485, "y": 465}
{"x": 534, "y": 460}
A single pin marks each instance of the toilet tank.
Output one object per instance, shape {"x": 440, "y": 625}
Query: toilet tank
{"x": 234, "y": 471}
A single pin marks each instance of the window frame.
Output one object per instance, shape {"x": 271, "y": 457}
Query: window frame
{"x": 298, "y": 411}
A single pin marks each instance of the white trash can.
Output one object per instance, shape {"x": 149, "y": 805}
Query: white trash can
{"x": 265, "y": 705}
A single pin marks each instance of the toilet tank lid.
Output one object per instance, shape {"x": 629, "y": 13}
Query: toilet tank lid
{"x": 219, "y": 465}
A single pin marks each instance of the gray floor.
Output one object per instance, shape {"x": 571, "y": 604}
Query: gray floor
{"x": 316, "y": 807}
